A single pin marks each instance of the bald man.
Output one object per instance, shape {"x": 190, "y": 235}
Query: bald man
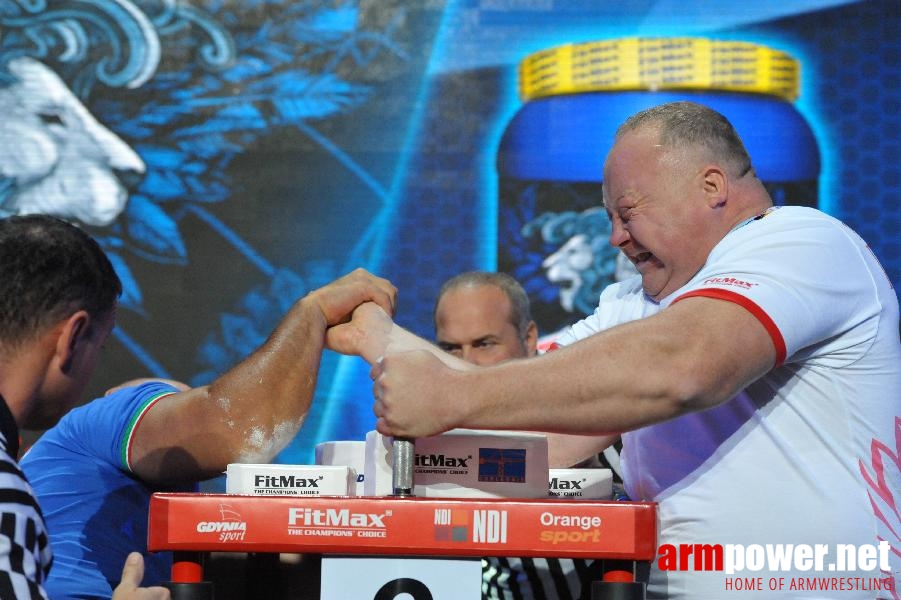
{"x": 485, "y": 318}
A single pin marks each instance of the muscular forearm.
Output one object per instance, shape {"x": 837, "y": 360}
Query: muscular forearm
{"x": 248, "y": 414}
{"x": 397, "y": 339}
{"x": 644, "y": 372}
{"x": 254, "y": 410}
{"x": 563, "y": 450}
{"x": 270, "y": 392}
{"x": 372, "y": 335}
{"x": 576, "y": 390}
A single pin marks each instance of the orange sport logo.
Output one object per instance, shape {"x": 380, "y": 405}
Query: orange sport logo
{"x": 570, "y": 529}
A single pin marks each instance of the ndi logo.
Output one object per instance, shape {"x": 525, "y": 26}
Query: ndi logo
{"x": 489, "y": 526}
{"x": 451, "y": 525}
{"x": 507, "y": 465}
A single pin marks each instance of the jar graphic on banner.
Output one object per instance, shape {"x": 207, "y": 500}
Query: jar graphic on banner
{"x": 552, "y": 231}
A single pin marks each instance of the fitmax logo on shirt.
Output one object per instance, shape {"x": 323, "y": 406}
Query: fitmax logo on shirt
{"x": 731, "y": 281}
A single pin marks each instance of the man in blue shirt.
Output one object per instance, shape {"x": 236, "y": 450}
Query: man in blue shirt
{"x": 56, "y": 309}
{"x": 95, "y": 471}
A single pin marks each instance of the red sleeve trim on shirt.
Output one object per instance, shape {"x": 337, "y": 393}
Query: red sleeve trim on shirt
{"x": 751, "y": 307}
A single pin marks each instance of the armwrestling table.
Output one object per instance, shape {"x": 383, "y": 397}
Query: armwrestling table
{"x": 191, "y": 525}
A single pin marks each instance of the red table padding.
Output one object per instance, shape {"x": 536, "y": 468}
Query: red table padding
{"x": 402, "y": 526}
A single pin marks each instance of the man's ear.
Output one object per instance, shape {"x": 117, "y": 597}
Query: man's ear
{"x": 72, "y": 333}
{"x": 715, "y": 186}
{"x": 531, "y": 339}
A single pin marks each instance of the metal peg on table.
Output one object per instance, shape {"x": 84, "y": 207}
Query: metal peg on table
{"x": 403, "y": 453}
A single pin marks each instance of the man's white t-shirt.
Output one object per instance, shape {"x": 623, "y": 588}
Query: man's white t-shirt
{"x": 808, "y": 454}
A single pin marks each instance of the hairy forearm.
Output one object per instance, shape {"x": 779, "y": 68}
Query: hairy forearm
{"x": 627, "y": 377}
{"x": 564, "y": 392}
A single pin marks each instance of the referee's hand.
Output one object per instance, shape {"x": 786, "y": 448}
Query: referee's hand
{"x": 132, "y": 575}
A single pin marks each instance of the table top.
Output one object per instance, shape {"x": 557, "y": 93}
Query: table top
{"x": 403, "y": 526}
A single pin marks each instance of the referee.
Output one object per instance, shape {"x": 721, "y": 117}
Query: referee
{"x": 485, "y": 318}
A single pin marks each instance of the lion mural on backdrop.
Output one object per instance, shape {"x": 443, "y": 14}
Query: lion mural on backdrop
{"x": 55, "y": 157}
{"x": 126, "y": 116}
{"x": 195, "y": 140}
{"x": 584, "y": 262}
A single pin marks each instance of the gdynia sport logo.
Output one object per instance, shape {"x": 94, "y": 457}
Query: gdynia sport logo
{"x": 818, "y": 567}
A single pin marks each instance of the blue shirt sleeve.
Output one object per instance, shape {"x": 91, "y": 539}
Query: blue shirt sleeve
{"x": 103, "y": 428}
{"x": 95, "y": 507}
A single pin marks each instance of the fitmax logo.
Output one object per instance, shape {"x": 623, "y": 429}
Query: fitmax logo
{"x": 333, "y": 517}
{"x": 440, "y": 460}
{"x": 286, "y": 481}
{"x": 566, "y": 484}
{"x": 730, "y": 281}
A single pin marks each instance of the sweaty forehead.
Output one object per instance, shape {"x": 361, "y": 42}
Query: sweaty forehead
{"x": 634, "y": 158}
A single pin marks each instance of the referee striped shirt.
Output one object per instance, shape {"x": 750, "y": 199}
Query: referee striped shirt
{"x": 549, "y": 578}
{"x": 538, "y": 578}
{"x": 25, "y": 554}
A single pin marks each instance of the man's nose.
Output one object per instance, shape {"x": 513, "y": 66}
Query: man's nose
{"x": 468, "y": 354}
{"x": 618, "y": 235}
